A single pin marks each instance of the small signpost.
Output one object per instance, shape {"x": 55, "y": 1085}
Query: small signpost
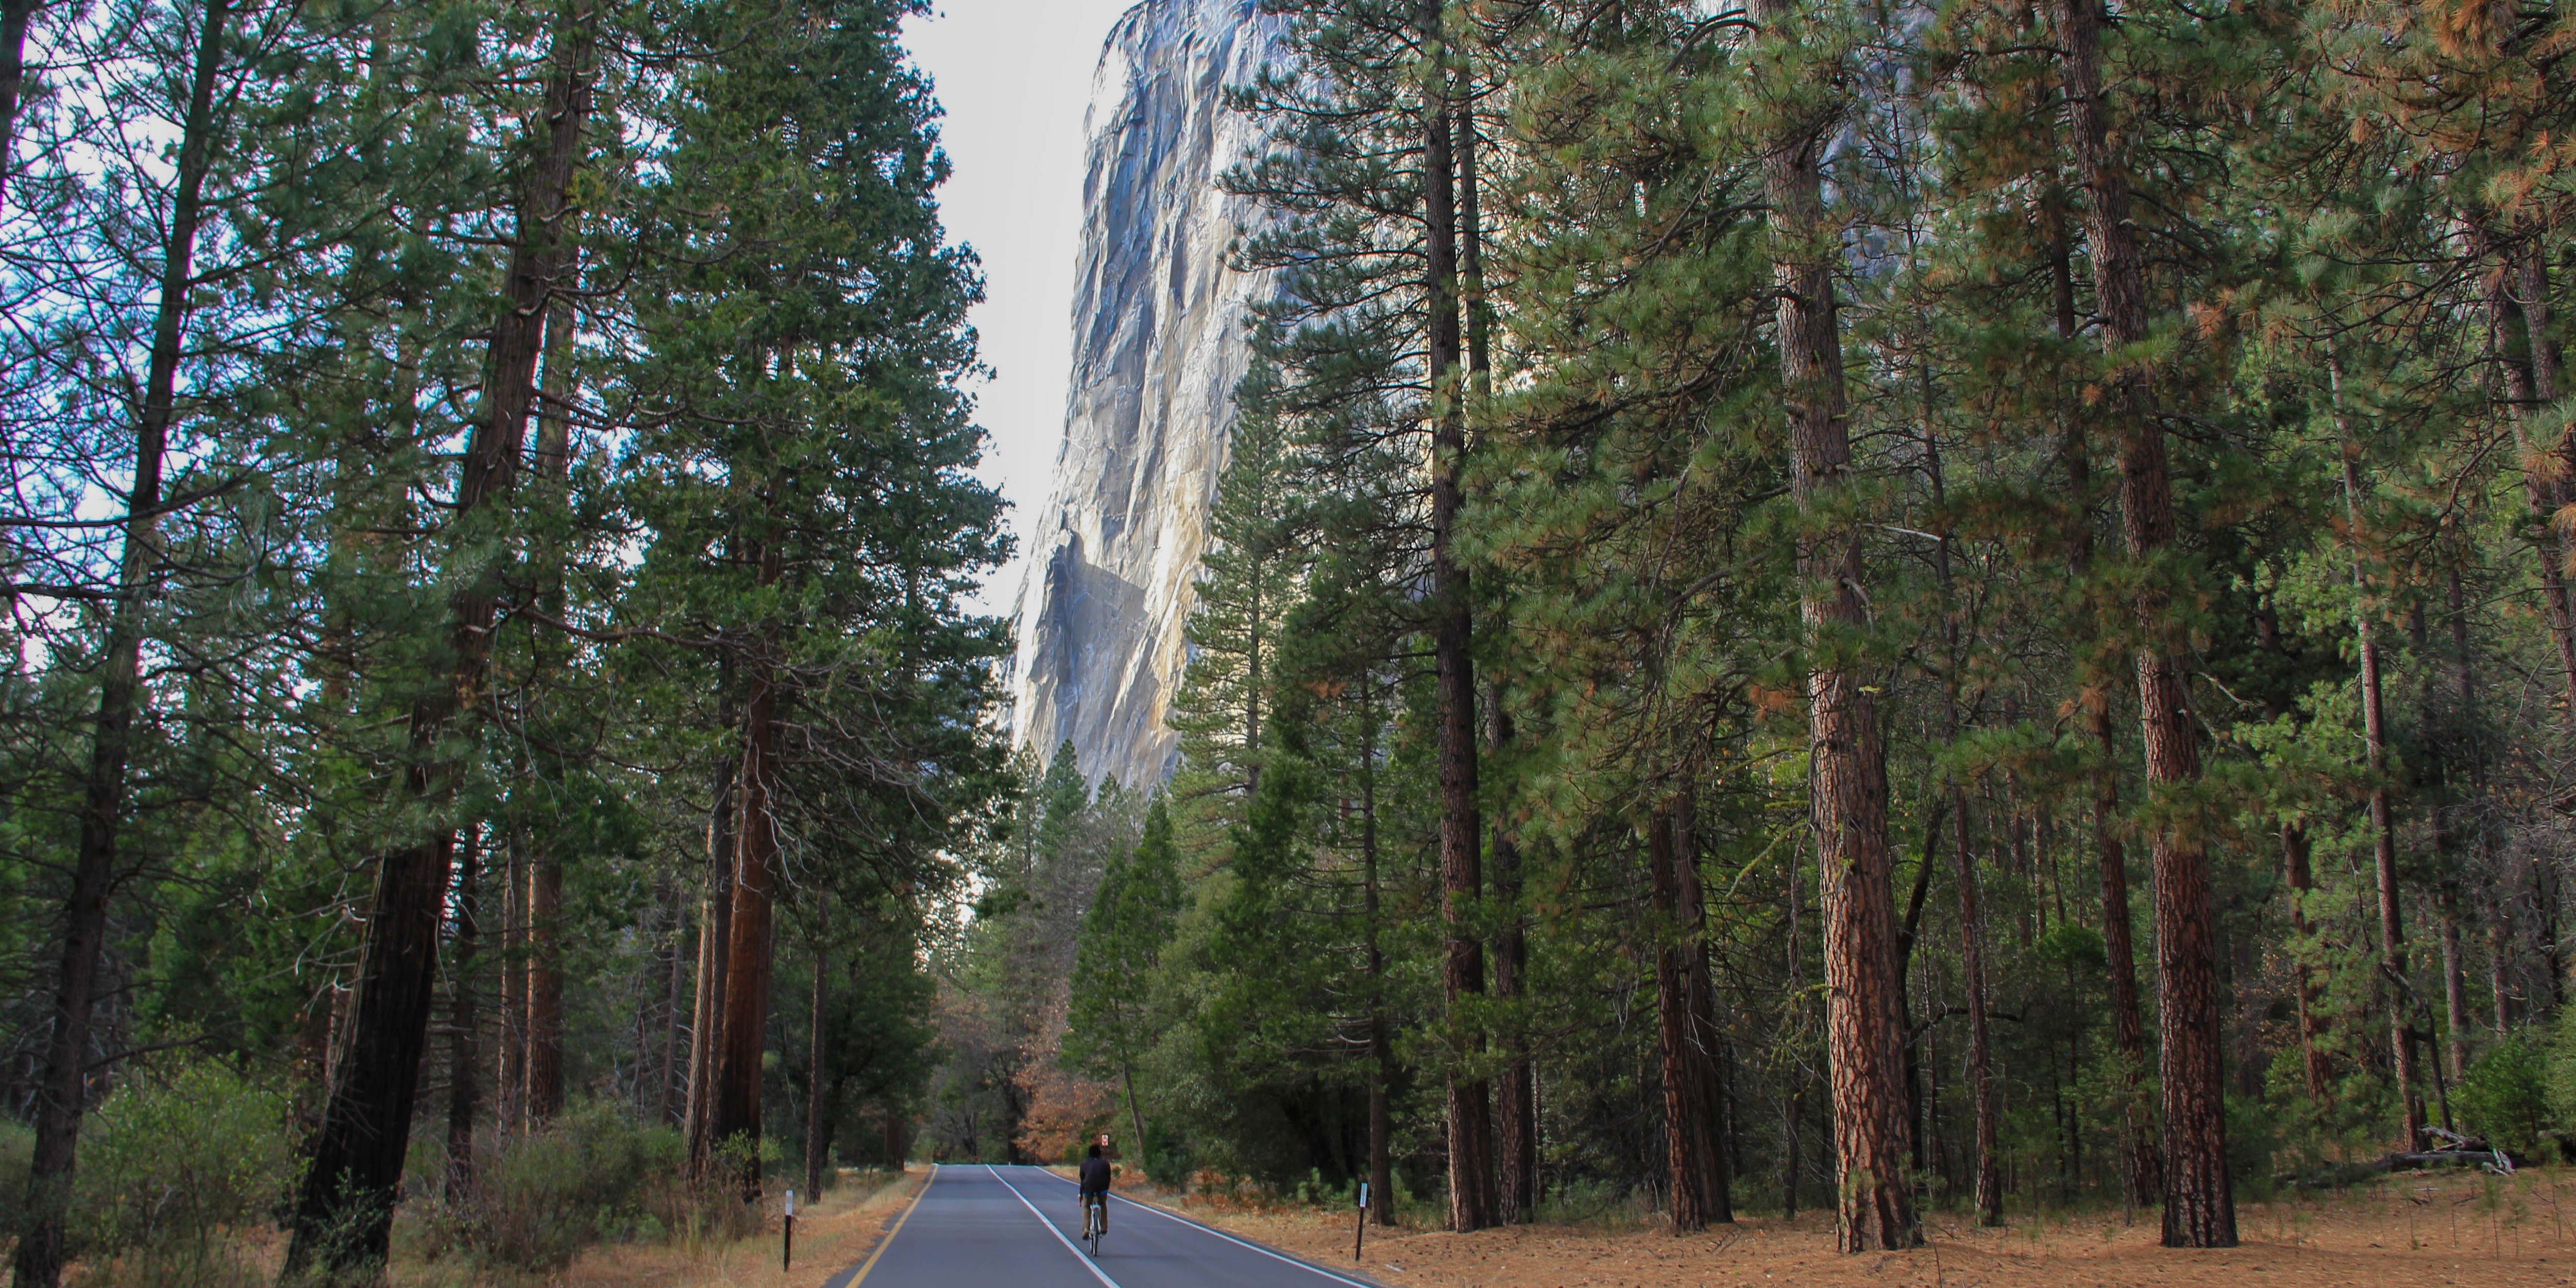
{"x": 787, "y": 1236}
{"x": 1360, "y": 1235}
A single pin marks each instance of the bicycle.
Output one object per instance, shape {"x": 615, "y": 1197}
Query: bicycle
{"x": 1095, "y": 1221}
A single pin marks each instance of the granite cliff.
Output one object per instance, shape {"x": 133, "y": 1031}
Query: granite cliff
{"x": 1158, "y": 345}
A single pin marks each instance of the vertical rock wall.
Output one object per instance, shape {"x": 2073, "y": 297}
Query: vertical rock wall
{"x": 1158, "y": 345}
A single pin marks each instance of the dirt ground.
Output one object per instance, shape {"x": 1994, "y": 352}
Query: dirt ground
{"x": 2411, "y": 1230}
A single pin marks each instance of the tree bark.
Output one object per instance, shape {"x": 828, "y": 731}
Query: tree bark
{"x": 2143, "y": 1173}
{"x": 344, "y": 1211}
{"x": 1472, "y": 1199}
{"x": 745, "y": 1022}
{"x": 1689, "y": 1140}
{"x": 551, "y": 465}
{"x": 1794, "y": 1105}
{"x": 1516, "y": 1134}
{"x": 511, "y": 1075}
{"x": 2199, "y": 1210}
{"x": 1381, "y": 1125}
{"x": 818, "y": 1139}
{"x": 1972, "y": 968}
{"x": 15, "y": 17}
{"x": 2510, "y": 336}
{"x": 667, "y": 1105}
{"x": 1516, "y": 1084}
{"x": 2383, "y": 824}
{"x": 2294, "y": 858}
{"x": 464, "y": 1075}
{"x": 715, "y": 928}
{"x": 1847, "y": 777}
{"x": 105, "y": 786}
{"x": 544, "y": 1096}
{"x": 1699, "y": 994}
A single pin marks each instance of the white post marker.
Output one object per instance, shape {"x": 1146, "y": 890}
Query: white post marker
{"x": 1360, "y": 1235}
{"x": 787, "y": 1235}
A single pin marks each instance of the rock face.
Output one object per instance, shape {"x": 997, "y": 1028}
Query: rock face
{"x": 1158, "y": 345}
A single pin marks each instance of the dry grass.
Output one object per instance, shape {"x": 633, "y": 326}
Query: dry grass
{"x": 830, "y": 1236}
{"x": 2410, "y": 1230}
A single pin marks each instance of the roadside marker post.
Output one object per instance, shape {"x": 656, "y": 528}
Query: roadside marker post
{"x": 1360, "y": 1234}
{"x": 787, "y": 1235}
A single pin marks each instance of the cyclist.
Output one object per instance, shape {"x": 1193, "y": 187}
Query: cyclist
{"x": 1095, "y": 1186}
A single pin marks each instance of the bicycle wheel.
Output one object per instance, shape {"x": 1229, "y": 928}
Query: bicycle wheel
{"x": 1091, "y": 1227}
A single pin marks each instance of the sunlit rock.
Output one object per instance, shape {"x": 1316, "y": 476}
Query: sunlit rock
{"x": 1158, "y": 345}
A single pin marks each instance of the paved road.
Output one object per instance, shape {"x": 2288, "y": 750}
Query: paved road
{"x": 1016, "y": 1227}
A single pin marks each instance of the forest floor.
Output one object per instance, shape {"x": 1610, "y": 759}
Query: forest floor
{"x": 2417, "y": 1229}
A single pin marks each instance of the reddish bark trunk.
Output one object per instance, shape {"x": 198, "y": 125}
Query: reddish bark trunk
{"x": 744, "y": 1026}
{"x": 1690, "y": 1139}
{"x": 2199, "y": 1210}
{"x": 1847, "y": 776}
{"x": 345, "y": 1209}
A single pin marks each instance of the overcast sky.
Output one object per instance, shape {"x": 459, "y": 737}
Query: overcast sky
{"x": 1014, "y": 76}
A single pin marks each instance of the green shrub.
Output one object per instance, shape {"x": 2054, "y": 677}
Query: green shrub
{"x": 593, "y": 1175}
{"x": 170, "y": 1165}
{"x": 2506, "y": 1095}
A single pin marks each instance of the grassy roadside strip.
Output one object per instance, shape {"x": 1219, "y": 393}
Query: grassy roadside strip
{"x": 831, "y": 1237}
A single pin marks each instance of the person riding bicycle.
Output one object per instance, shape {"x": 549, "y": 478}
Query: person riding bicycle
{"x": 1095, "y": 1184}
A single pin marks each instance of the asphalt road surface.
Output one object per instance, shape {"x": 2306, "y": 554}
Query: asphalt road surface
{"x": 1018, "y": 1227}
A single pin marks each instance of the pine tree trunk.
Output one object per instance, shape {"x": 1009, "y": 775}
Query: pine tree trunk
{"x": 512, "y": 1082}
{"x": 544, "y": 1097}
{"x": 2143, "y": 1173}
{"x": 2294, "y": 858}
{"x": 1699, "y": 994}
{"x": 745, "y": 1022}
{"x": 667, "y": 1090}
{"x": 15, "y": 16}
{"x": 818, "y": 1139}
{"x": 715, "y": 927}
{"x": 1847, "y": 778}
{"x": 1794, "y": 1110}
{"x": 1688, "y": 1138}
{"x": 60, "y": 1089}
{"x": 1470, "y": 1115}
{"x": 551, "y": 465}
{"x": 344, "y": 1211}
{"x": 1516, "y": 1134}
{"x": 1972, "y": 970}
{"x": 2383, "y": 824}
{"x": 1516, "y": 1084}
{"x": 2199, "y": 1211}
{"x": 2510, "y": 344}
{"x": 2455, "y": 984}
{"x": 464, "y": 1092}
{"x": 1381, "y": 1126}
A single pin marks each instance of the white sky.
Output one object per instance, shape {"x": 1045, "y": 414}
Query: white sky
{"x": 1014, "y": 76}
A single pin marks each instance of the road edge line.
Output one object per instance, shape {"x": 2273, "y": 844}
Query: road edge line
{"x": 1299, "y": 1262}
{"x": 1091, "y": 1264}
{"x": 860, "y": 1275}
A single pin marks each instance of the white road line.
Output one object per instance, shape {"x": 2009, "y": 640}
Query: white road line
{"x": 1088, "y": 1263}
{"x": 1197, "y": 1225}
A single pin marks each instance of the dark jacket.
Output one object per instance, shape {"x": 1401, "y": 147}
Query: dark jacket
{"x": 1095, "y": 1176}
